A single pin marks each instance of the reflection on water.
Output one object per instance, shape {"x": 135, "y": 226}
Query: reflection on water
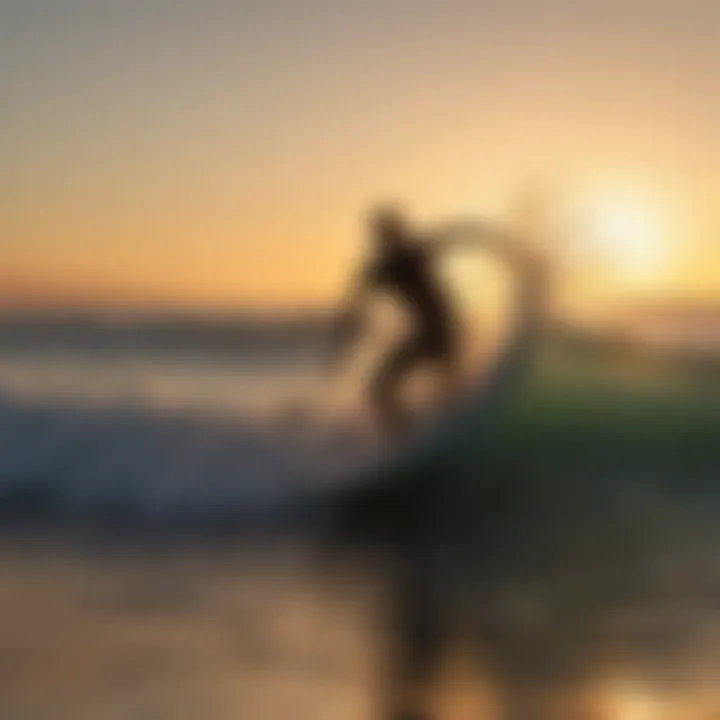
{"x": 261, "y": 631}
{"x": 187, "y": 635}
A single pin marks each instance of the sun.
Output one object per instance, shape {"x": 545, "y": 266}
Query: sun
{"x": 628, "y": 236}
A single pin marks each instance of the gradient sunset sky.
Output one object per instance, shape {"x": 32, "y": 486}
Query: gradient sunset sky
{"x": 221, "y": 152}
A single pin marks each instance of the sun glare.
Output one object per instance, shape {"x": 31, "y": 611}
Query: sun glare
{"x": 633, "y": 703}
{"x": 629, "y": 237}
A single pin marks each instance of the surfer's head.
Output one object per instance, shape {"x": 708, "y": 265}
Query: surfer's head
{"x": 388, "y": 226}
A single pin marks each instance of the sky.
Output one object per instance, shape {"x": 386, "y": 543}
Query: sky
{"x": 221, "y": 153}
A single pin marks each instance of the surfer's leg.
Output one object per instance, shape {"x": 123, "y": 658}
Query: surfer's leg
{"x": 451, "y": 373}
{"x": 442, "y": 352}
{"x": 384, "y": 389}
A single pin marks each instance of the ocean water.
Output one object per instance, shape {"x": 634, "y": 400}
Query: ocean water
{"x": 164, "y": 418}
{"x": 601, "y": 603}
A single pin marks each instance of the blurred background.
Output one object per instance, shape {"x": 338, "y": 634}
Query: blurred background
{"x": 183, "y": 190}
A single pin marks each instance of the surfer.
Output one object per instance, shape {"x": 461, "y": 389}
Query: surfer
{"x": 403, "y": 265}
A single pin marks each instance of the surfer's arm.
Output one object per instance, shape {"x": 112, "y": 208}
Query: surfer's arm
{"x": 477, "y": 234}
{"x": 349, "y": 322}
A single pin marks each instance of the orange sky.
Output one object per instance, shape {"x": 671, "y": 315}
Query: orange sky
{"x": 221, "y": 153}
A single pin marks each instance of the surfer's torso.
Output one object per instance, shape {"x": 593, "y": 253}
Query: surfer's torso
{"x": 407, "y": 272}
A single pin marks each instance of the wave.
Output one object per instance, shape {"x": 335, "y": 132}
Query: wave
{"x": 151, "y": 464}
{"x": 213, "y": 335}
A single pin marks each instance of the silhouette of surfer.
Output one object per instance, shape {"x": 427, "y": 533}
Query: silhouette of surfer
{"x": 405, "y": 266}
